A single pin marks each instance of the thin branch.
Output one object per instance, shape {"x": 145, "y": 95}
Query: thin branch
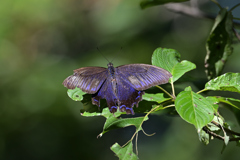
{"x": 226, "y": 129}
{"x": 236, "y": 33}
{"x": 235, "y": 7}
{"x": 165, "y": 92}
{"x": 190, "y": 11}
{"x": 136, "y": 143}
{"x": 195, "y": 12}
{"x": 214, "y": 1}
{"x": 218, "y": 136}
{"x": 212, "y": 133}
{"x": 202, "y": 91}
{"x": 173, "y": 90}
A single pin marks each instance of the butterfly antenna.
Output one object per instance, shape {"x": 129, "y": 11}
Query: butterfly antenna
{"x": 102, "y": 54}
{"x": 117, "y": 54}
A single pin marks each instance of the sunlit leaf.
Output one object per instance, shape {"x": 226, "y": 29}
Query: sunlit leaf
{"x": 194, "y": 108}
{"x": 188, "y": 88}
{"x": 204, "y": 137}
{"x": 169, "y": 59}
{"x": 226, "y": 139}
{"x": 155, "y": 97}
{"x": 114, "y": 122}
{"x": 214, "y": 101}
{"x": 230, "y": 101}
{"x": 105, "y": 113}
{"x": 212, "y": 127}
{"x": 149, "y": 3}
{"x": 219, "y": 44}
{"x": 76, "y": 94}
{"x": 124, "y": 153}
{"x": 227, "y": 82}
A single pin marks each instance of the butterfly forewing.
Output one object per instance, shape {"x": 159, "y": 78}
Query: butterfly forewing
{"x": 88, "y": 79}
{"x": 142, "y": 76}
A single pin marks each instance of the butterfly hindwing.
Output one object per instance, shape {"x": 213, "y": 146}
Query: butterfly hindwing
{"x": 106, "y": 92}
{"x": 88, "y": 79}
{"x": 125, "y": 98}
{"x": 128, "y": 96}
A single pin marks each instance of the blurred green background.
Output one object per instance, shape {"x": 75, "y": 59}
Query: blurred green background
{"x": 42, "y": 41}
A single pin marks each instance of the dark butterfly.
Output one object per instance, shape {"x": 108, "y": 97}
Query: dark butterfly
{"x": 121, "y": 86}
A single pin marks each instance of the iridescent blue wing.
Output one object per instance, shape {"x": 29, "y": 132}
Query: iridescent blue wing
{"x": 142, "y": 76}
{"x": 106, "y": 92}
{"x": 88, "y": 79}
{"x": 125, "y": 98}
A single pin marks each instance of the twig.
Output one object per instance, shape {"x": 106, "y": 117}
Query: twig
{"x": 188, "y": 10}
{"x": 235, "y": 7}
{"x": 226, "y": 129}
{"x": 191, "y": 11}
{"x": 218, "y": 136}
{"x": 202, "y": 91}
{"x": 195, "y": 12}
{"x": 212, "y": 133}
{"x": 165, "y": 92}
{"x": 236, "y": 33}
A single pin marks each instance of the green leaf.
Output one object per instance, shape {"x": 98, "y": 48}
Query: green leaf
{"x": 227, "y": 82}
{"x": 125, "y": 153}
{"x": 219, "y": 44}
{"x": 230, "y": 101}
{"x": 226, "y": 139}
{"x": 213, "y": 127}
{"x": 214, "y": 101}
{"x": 188, "y": 88}
{"x": 76, "y": 94}
{"x": 234, "y": 103}
{"x": 149, "y": 3}
{"x": 169, "y": 60}
{"x": 194, "y": 108}
{"x": 203, "y": 137}
{"x": 105, "y": 113}
{"x": 113, "y": 122}
{"x": 155, "y": 97}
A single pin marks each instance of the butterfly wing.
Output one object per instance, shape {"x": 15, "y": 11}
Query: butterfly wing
{"x": 143, "y": 76}
{"x": 127, "y": 96}
{"x": 88, "y": 79}
{"x": 106, "y": 92}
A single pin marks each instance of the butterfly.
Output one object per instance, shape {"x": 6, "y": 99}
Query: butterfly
{"x": 122, "y": 87}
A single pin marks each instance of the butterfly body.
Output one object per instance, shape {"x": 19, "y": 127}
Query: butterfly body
{"x": 122, "y": 87}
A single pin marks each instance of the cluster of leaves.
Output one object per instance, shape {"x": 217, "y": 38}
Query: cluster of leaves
{"x": 193, "y": 107}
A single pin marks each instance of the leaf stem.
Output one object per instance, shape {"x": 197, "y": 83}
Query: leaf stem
{"x": 214, "y": 1}
{"x": 140, "y": 126}
{"x": 226, "y": 129}
{"x": 203, "y": 90}
{"x": 236, "y": 18}
{"x": 234, "y": 7}
{"x": 218, "y": 136}
{"x": 165, "y": 91}
{"x": 171, "y": 105}
{"x": 173, "y": 90}
{"x": 136, "y": 143}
